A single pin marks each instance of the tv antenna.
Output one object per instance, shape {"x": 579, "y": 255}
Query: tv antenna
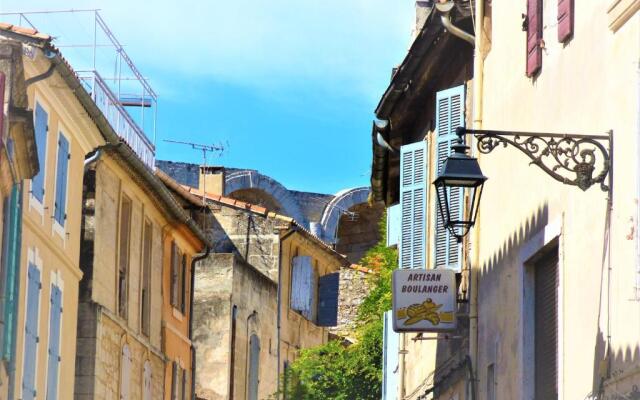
{"x": 213, "y": 148}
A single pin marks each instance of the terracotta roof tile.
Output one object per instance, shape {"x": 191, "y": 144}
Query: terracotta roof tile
{"x": 23, "y": 31}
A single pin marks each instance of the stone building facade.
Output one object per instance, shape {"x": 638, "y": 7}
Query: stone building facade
{"x": 345, "y": 220}
{"x": 245, "y": 330}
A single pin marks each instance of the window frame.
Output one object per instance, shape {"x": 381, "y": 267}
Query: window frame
{"x": 122, "y": 310}
{"x": 145, "y": 281}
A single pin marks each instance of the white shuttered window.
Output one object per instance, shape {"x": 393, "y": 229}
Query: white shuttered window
{"x": 413, "y": 193}
{"x": 449, "y": 116}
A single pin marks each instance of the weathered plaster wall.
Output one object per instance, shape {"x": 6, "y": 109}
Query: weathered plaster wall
{"x": 212, "y": 325}
{"x": 589, "y": 85}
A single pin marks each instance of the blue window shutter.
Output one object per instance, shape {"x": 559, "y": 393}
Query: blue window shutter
{"x": 54, "y": 343}
{"x": 303, "y": 286}
{"x": 328, "y": 291}
{"x": 31, "y": 333}
{"x": 390, "y": 348}
{"x": 254, "y": 367}
{"x": 394, "y": 214}
{"x": 449, "y": 115}
{"x": 413, "y": 192}
{"x": 37, "y": 182}
{"x": 61, "y": 180}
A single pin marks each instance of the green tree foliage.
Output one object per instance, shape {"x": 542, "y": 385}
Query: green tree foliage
{"x": 338, "y": 371}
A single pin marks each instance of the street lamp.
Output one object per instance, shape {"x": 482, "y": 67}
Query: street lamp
{"x": 573, "y": 159}
{"x": 459, "y": 178}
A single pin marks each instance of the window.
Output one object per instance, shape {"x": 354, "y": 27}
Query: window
{"x": 146, "y": 381}
{"x": 178, "y": 382}
{"x": 413, "y": 190}
{"x": 41, "y": 129}
{"x": 123, "y": 255}
{"x": 315, "y": 298}
{"x": 491, "y": 382}
{"x": 125, "y": 372}
{"x": 546, "y": 327}
{"x": 253, "y": 378}
{"x": 303, "y": 286}
{"x": 60, "y": 203}
{"x": 183, "y": 283}
{"x": 31, "y": 337}
{"x": 12, "y": 233}
{"x": 145, "y": 309}
{"x": 178, "y": 266}
{"x": 53, "y": 365}
{"x": 533, "y": 26}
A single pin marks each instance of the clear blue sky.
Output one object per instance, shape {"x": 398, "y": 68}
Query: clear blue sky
{"x": 291, "y": 85}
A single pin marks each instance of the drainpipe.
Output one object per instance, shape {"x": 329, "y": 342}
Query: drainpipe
{"x": 478, "y": 84}
{"x": 194, "y": 260}
{"x": 40, "y": 77}
{"x": 445, "y": 9}
{"x": 282, "y": 239}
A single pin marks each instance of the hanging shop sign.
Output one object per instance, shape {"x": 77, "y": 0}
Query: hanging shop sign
{"x": 424, "y": 300}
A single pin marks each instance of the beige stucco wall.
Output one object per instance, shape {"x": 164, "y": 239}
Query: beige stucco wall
{"x": 589, "y": 85}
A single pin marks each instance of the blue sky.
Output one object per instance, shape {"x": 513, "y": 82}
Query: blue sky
{"x": 290, "y": 85}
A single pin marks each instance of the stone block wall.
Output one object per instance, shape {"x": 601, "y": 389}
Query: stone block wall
{"x": 354, "y": 287}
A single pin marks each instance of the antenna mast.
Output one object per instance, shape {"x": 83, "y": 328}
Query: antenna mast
{"x": 205, "y": 148}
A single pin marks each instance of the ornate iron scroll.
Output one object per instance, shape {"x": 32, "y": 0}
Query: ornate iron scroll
{"x": 568, "y": 158}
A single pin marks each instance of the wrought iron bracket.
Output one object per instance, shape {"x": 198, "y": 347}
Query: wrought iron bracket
{"x": 573, "y": 159}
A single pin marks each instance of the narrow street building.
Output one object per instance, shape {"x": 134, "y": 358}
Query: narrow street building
{"x": 268, "y": 290}
{"x": 549, "y": 275}
{"x": 18, "y": 161}
{"x": 42, "y": 362}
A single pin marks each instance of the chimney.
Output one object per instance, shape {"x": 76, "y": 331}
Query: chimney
{"x": 211, "y": 180}
{"x": 423, "y": 9}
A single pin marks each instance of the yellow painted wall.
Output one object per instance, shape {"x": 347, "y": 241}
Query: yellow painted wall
{"x": 176, "y": 344}
{"x": 54, "y": 249}
{"x": 296, "y": 331}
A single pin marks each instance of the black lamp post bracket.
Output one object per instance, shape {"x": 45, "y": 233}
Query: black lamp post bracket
{"x": 572, "y": 159}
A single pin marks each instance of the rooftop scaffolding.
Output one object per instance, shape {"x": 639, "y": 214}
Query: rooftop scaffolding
{"x": 116, "y": 85}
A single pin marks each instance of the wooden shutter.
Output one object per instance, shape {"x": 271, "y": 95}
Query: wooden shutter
{"x": 125, "y": 373}
{"x": 546, "y": 328}
{"x": 174, "y": 274}
{"x": 183, "y": 282}
{"x": 146, "y": 279}
{"x": 174, "y": 381}
{"x": 390, "y": 349}
{"x": 534, "y": 36}
{"x": 254, "y": 367}
{"x": 328, "y": 291}
{"x": 60, "y": 205}
{"x": 54, "y": 343}
{"x": 37, "y": 182}
{"x": 31, "y": 338}
{"x": 146, "y": 381}
{"x": 413, "y": 191}
{"x": 302, "y": 286}
{"x": 123, "y": 259}
{"x": 11, "y": 260}
{"x": 394, "y": 218}
{"x": 450, "y": 113}
{"x": 565, "y": 20}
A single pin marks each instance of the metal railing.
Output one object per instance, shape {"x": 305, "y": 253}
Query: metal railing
{"x": 120, "y": 120}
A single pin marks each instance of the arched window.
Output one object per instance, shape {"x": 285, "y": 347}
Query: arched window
{"x": 125, "y": 372}
{"x": 146, "y": 381}
{"x": 254, "y": 367}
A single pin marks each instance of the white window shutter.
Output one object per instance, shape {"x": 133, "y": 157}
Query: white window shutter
{"x": 390, "y": 359}
{"x": 450, "y": 114}
{"x": 413, "y": 200}
{"x": 125, "y": 373}
{"x": 394, "y": 215}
